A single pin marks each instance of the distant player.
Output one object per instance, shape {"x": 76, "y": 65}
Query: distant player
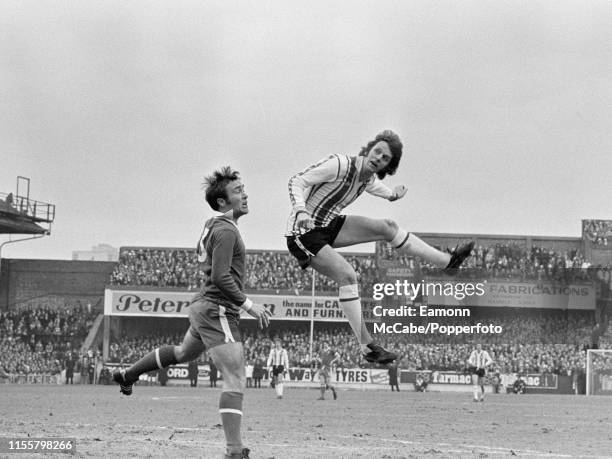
{"x": 315, "y": 227}
{"x": 393, "y": 380}
{"x": 477, "y": 365}
{"x": 278, "y": 363}
{"x": 323, "y": 364}
{"x": 215, "y": 311}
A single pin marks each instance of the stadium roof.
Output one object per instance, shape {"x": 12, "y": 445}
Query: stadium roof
{"x": 13, "y": 225}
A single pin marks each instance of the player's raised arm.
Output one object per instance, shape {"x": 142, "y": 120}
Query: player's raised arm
{"x": 377, "y": 188}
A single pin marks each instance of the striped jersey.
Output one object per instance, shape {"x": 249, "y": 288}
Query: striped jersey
{"x": 324, "y": 189}
{"x": 278, "y": 357}
{"x": 480, "y": 359}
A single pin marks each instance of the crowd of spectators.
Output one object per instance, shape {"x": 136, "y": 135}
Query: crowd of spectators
{"x": 38, "y": 340}
{"x": 599, "y": 232}
{"x": 266, "y": 270}
{"x": 126, "y": 350}
{"x": 514, "y": 262}
{"x": 530, "y": 344}
{"x": 158, "y": 267}
{"x": 277, "y": 271}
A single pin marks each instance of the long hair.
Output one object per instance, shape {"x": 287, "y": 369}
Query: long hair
{"x": 395, "y": 146}
{"x": 214, "y": 185}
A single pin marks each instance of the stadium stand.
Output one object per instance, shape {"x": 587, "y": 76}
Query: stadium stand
{"x": 531, "y": 343}
{"x": 277, "y": 270}
{"x": 37, "y": 341}
{"x": 40, "y": 337}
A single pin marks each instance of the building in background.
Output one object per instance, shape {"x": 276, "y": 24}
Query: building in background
{"x": 100, "y": 252}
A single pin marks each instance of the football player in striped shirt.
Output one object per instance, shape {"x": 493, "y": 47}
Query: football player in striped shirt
{"x": 214, "y": 313}
{"x": 478, "y": 362}
{"x": 278, "y": 362}
{"x": 316, "y": 228}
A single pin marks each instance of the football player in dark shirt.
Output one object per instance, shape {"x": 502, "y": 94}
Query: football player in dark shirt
{"x": 214, "y": 313}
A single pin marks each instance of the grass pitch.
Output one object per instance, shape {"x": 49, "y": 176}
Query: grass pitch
{"x": 184, "y": 422}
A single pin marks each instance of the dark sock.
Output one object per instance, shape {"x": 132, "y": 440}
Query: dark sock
{"x": 230, "y": 407}
{"x": 161, "y": 357}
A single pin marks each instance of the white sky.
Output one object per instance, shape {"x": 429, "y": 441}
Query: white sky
{"x": 116, "y": 110}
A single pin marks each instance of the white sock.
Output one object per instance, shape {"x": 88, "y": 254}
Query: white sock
{"x": 351, "y": 305}
{"x": 415, "y": 246}
{"x": 476, "y": 392}
{"x": 280, "y": 390}
{"x": 399, "y": 239}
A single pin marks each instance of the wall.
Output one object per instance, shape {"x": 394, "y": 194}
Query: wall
{"x": 25, "y": 283}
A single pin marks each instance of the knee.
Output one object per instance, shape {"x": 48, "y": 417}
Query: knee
{"x": 234, "y": 382}
{"x": 184, "y": 355}
{"x": 347, "y": 276}
{"x": 180, "y": 354}
{"x": 388, "y": 228}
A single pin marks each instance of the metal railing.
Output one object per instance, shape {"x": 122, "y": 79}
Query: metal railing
{"x": 20, "y": 205}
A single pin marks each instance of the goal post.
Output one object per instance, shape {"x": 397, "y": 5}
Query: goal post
{"x": 599, "y": 372}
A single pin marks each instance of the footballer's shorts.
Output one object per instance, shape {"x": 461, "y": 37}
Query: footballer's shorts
{"x": 213, "y": 324}
{"x": 307, "y": 245}
{"x": 480, "y": 372}
{"x": 324, "y": 377}
{"x": 278, "y": 370}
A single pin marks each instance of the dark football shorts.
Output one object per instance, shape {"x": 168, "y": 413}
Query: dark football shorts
{"x": 480, "y": 372}
{"x": 278, "y": 369}
{"x": 307, "y": 245}
{"x": 213, "y": 324}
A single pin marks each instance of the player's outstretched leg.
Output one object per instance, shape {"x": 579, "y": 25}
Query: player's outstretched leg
{"x": 357, "y": 229}
{"x": 160, "y": 358}
{"x": 413, "y": 245}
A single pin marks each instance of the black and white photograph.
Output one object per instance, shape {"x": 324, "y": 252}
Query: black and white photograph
{"x": 288, "y": 229}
